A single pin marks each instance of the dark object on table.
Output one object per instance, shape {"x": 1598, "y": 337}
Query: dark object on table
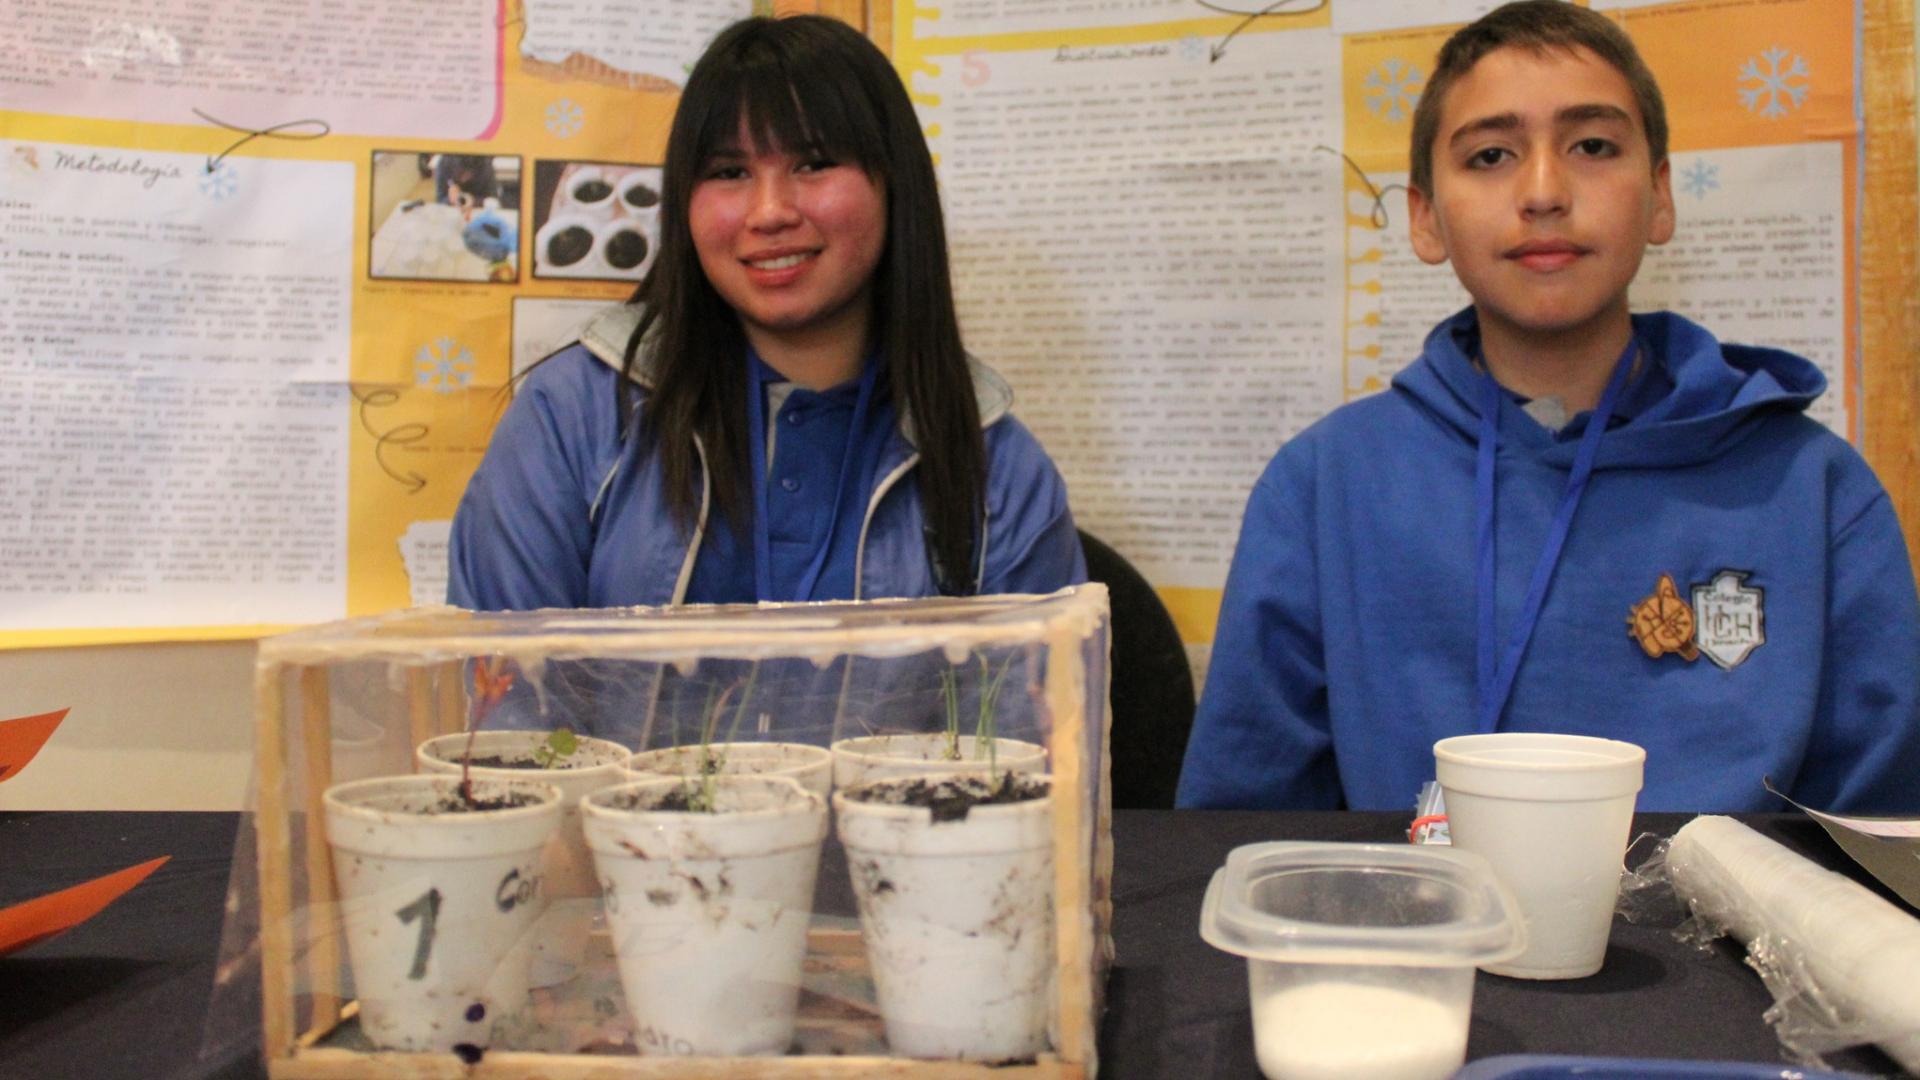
{"x": 1152, "y": 688}
{"x": 1556, "y": 1067}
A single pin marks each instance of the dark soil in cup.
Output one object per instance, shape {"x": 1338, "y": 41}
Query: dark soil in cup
{"x": 453, "y": 803}
{"x": 640, "y": 196}
{"x": 528, "y": 761}
{"x": 496, "y": 761}
{"x": 626, "y": 250}
{"x": 679, "y": 798}
{"x": 569, "y": 246}
{"x": 952, "y": 799}
{"x": 592, "y": 191}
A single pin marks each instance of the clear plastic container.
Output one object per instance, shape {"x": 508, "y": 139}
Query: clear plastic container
{"x": 775, "y": 915}
{"x": 1360, "y": 957}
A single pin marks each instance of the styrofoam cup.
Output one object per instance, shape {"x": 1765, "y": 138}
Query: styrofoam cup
{"x": 865, "y": 759}
{"x": 810, "y": 766}
{"x": 624, "y": 247}
{"x": 438, "y": 905}
{"x": 957, "y": 917}
{"x": 1551, "y": 814}
{"x": 560, "y": 941}
{"x": 709, "y": 911}
{"x": 573, "y": 234}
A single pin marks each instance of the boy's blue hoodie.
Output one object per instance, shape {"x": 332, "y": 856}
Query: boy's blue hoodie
{"x": 1346, "y": 643}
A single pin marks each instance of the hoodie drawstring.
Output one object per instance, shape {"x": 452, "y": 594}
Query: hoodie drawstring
{"x": 1496, "y": 683}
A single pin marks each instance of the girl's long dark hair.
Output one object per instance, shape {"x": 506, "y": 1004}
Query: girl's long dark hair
{"x": 808, "y": 83}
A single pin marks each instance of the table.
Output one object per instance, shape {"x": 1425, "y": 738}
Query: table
{"x": 123, "y": 995}
{"x": 1177, "y": 1007}
{"x": 126, "y": 995}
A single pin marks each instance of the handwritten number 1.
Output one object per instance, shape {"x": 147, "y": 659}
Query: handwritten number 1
{"x": 426, "y": 909}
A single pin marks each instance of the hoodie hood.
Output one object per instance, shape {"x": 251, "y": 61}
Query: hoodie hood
{"x": 606, "y": 338}
{"x": 1714, "y": 395}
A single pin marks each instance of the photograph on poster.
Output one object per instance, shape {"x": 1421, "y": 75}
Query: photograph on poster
{"x": 595, "y": 220}
{"x": 445, "y": 217}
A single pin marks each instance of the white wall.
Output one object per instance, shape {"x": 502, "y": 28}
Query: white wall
{"x": 152, "y": 727}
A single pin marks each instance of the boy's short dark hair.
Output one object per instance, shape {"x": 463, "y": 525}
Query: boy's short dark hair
{"x": 1537, "y": 25}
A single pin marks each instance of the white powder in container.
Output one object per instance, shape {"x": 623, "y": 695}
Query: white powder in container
{"x": 1341, "y": 1031}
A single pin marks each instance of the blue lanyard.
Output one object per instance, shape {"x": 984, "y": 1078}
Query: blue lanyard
{"x": 758, "y": 376}
{"x": 1496, "y": 683}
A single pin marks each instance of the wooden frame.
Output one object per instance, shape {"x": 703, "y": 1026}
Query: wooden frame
{"x": 1889, "y": 279}
{"x": 303, "y": 1001}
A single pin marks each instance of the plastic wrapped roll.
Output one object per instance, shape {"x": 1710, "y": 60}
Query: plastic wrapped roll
{"x": 1843, "y": 964}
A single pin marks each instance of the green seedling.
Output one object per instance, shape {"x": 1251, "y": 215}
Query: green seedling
{"x": 950, "y": 690}
{"x": 560, "y": 744}
{"x": 700, "y": 795}
{"x": 984, "y": 741}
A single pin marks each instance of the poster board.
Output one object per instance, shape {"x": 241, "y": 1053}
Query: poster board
{"x": 255, "y": 350}
{"x": 1163, "y": 371}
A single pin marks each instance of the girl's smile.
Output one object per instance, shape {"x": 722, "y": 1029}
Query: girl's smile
{"x": 791, "y": 239}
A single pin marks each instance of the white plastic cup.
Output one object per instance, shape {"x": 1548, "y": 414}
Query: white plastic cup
{"x": 638, "y": 192}
{"x": 560, "y": 941}
{"x": 575, "y": 235}
{"x": 594, "y": 764}
{"x": 585, "y": 181}
{"x": 617, "y": 241}
{"x": 1551, "y": 814}
{"x": 709, "y": 911}
{"x": 438, "y": 906}
{"x": 809, "y": 766}
{"x": 865, "y": 759}
{"x": 957, "y": 919}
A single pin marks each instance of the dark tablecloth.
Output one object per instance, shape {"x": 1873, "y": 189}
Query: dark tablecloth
{"x": 126, "y": 995}
{"x": 1177, "y": 1007}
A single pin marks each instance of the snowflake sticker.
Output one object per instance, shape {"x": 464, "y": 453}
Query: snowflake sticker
{"x": 1392, "y": 88}
{"x": 445, "y": 366}
{"x": 221, "y": 182}
{"x": 1773, "y": 92}
{"x": 1699, "y": 178}
{"x": 1193, "y": 49}
{"x": 565, "y": 118}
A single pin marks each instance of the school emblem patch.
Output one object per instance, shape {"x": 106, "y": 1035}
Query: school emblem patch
{"x": 1663, "y": 623}
{"x": 1730, "y": 618}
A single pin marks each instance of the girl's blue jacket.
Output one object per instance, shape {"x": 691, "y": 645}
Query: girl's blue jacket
{"x": 563, "y": 512}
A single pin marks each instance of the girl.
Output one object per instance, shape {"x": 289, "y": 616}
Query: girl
{"x": 784, "y": 410}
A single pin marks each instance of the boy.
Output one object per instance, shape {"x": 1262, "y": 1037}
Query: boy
{"x": 1562, "y": 517}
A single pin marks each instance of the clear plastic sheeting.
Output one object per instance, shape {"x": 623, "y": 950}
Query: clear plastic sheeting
{"x": 1842, "y": 964}
{"x": 1646, "y": 893}
{"x": 366, "y": 892}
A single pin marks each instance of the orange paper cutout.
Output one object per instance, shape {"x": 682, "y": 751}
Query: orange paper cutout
{"x": 39, "y": 919}
{"x": 22, "y": 737}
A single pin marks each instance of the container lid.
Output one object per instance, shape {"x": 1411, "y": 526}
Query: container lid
{"x": 1326, "y": 903}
